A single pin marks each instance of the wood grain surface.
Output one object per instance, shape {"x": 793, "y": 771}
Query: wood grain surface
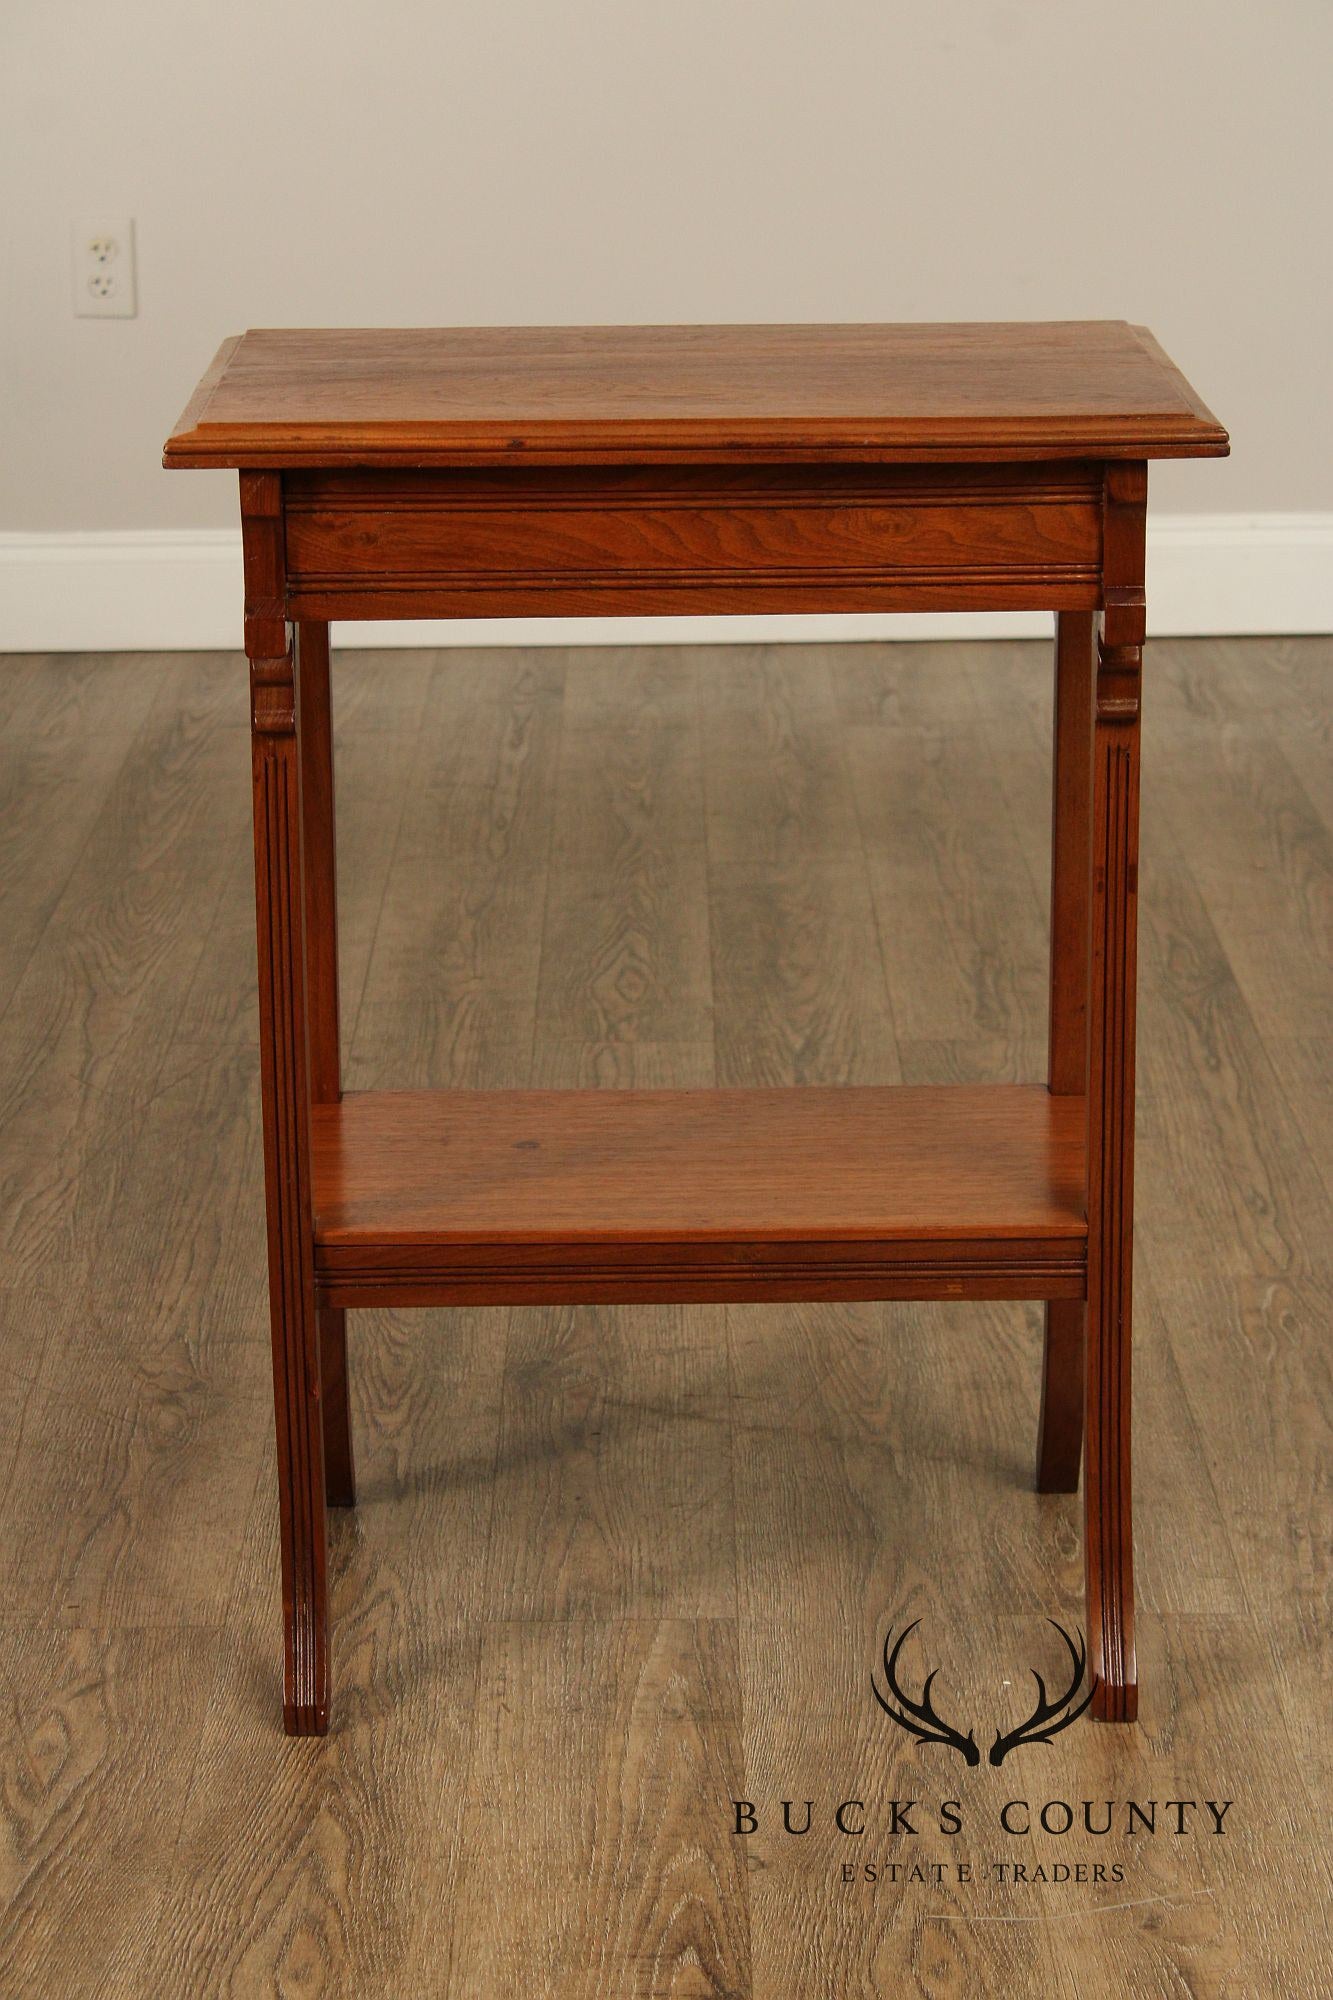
{"x": 522, "y": 539}
{"x": 441, "y": 395}
{"x": 612, "y": 1568}
{"x": 545, "y": 1167}
{"x": 543, "y": 1197}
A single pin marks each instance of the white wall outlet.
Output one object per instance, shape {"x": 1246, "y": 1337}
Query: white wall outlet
{"x": 102, "y": 266}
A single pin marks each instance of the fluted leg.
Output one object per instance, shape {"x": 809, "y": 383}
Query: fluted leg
{"x": 320, "y": 878}
{"x": 285, "y": 1096}
{"x": 1108, "y": 1516}
{"x": 1060, "y": 1426}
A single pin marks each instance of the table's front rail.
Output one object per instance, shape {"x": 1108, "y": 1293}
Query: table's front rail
{"x": 633, "y": 540}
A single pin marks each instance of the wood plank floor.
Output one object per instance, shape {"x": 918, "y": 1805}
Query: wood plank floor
{"x": 614, "y": 1568}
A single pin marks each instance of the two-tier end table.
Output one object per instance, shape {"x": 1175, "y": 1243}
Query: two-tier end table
{"x": 562, "y": 471}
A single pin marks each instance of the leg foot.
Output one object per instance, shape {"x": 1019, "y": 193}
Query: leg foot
{"x": 308, "y": 1720}
{"x": 1115, "y": 1701}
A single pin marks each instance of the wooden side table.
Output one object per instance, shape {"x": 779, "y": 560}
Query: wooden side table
{"x": 474, "y": 473}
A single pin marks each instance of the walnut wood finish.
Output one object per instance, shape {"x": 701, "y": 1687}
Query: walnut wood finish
{"x": 285, "y": 1090}
{"x": 1060, "y": 1424}
{"x": 493, "y": 543}
{"x": 640, "y": 395}
{"x": 474, "y": 472}
{"x": 489, "y": 1198}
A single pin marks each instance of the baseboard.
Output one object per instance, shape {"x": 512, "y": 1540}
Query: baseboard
{"x": 172, "y": 590}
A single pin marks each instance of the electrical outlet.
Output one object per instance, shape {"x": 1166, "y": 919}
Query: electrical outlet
{"x": 102, "y": 267}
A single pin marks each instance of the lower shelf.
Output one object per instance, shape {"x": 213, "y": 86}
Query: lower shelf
{"x": 514, "y": 1197}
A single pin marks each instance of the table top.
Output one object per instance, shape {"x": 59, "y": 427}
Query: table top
{"x": 438, "y": 396}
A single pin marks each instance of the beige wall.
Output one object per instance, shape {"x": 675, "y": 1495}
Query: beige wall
{"x": 486, "y": 161}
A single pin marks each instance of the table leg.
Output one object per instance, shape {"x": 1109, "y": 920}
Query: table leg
{"x": 321, "y": 957}
{"x": 284, "y": 1085}
{"x": 1108, "y": 1530}
{"x": 1060, "y": 1425}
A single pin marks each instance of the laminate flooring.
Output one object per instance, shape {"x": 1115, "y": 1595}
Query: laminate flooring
{"x": 614, "y": 1569}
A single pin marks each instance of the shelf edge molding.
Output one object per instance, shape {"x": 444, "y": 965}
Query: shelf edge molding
{"x": 623, "y": 1197}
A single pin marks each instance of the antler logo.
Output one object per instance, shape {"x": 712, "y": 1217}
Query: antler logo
{"x": 1048, "y": 1718}
{"x": 920, "y": 1719}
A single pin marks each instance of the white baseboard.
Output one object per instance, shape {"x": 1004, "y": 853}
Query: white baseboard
{"x": 172, "y": 590}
